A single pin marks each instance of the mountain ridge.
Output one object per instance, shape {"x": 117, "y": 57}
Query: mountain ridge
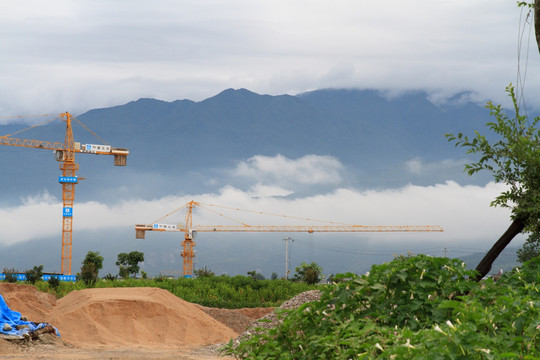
{"x": 369, "y": 133}
{"x": 188, "y": 147}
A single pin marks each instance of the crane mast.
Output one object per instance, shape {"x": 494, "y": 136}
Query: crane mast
{"x": 187, "y": 245}
{"x": 65, "y": 154}
{"x": 190, "y": 232}
{"x": 69, "y": 170}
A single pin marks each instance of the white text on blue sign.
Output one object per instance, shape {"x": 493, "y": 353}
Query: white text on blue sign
{"x": 68, "y": 179}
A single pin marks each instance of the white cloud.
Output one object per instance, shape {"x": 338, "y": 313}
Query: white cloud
{"x": 33, "y": 219}
{"x": 282, "y": 171}
{"x": 260, "y": 190}
{"x": 463, "y": 211}
{"x": 418, "y": 166}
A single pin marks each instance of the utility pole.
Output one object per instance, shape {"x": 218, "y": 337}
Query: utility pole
{"x": 287, "y": 260}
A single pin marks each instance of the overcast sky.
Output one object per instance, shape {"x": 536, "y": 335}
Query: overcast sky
{"x": 64, "y": 55}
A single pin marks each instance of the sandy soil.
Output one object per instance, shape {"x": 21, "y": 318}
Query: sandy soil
{"x": 122, "y": 323}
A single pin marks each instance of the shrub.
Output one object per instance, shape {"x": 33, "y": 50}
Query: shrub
{"x": 411, "y": 308}
{"x": 89, "y": 274}
{"x": 54, "y": 283}
{"x": 110, "y": 277}
{"x": 203, "y": 272}
{"x": 10, "y": 274}
{"x": 34, "y": 274}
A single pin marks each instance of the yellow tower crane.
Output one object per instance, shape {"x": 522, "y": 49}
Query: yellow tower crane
{"x": 65, "y": 154}
{"x": 189, "y": 231}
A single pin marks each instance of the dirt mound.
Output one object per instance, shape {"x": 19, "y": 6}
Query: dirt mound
{"x": 237, "y": 319}
{"x": 142, "y": 317}
{"x": 26, "y": 299}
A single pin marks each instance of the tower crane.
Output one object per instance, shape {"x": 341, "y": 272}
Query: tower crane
{"x": 65, "y": 154}
{"x": 190, "y": 231}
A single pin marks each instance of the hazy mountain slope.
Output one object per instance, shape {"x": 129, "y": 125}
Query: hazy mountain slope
{"x": 187, "y": 147}
{"x": 371, "y": 134}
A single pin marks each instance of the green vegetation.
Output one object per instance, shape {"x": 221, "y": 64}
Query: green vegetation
{"x": 89, "y": 274}
{"x": 530, "y": 248}
{"x": 54, "y": 283}
{"x": 308, "y": 273}
{"x": 256, "y": 275}
{"x": 202, "y": 272}
{"x": 92, "y": 263}
{"x": 10, "y": 275}
{"x": 34, "y": 274}
{"x": 129, "y": 263}
{"x": 95, "y": 258}
{"x": 410, "y": 308}
{"x": 215, "y": 291}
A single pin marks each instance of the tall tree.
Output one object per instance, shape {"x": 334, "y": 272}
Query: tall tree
{"x": 514, "y": 159}
{"x": 129, "y": 263}
{"x": 92, "y": 263}
{"x": 95, "y": 258}
{"x": 34, "y": 274}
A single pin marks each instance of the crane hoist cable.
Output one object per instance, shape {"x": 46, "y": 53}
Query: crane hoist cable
{"x": 277, "y": 215}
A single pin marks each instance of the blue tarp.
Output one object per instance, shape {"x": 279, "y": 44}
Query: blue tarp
{"x": 13, "y": 318}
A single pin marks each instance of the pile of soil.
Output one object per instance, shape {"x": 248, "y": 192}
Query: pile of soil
{"x": 27, "y": 300}
{"x": 118, "y": 319}
{"x": 134, "y": 316}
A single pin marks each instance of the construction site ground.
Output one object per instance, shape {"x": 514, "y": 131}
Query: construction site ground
{"x": 122, "y": 323}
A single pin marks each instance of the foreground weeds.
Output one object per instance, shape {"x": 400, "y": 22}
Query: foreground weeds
{"x": 411, "y": 308}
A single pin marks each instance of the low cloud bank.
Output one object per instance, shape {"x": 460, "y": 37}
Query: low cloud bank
{"x": 463, "y": 211}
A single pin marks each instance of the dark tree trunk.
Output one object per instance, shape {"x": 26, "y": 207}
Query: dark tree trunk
{"x": 515, "y": 228}
{"x": 537, "y": 22}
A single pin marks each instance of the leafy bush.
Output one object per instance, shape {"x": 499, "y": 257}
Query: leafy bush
{"x": 89, "y": 274}
{"x": 109, "y": 277}
{"x": 202, "y": 272}
{"x": 34, "y": 274}
{"x": 308, "y": 273}
{"x": 410, "y": 308}
{"x": 10, "y": 275}
{"x": 54, "y": 283}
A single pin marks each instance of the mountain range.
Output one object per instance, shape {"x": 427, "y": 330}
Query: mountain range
{"x": 371, "y": 134}
{"x": 185, "y": 147}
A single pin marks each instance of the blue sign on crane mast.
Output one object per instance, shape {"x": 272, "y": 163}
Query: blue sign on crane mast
{"x": 68, "y": 212}
{"x": 68, "y": 179}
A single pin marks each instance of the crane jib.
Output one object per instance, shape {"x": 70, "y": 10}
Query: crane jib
{"x": 291, "y": 228}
